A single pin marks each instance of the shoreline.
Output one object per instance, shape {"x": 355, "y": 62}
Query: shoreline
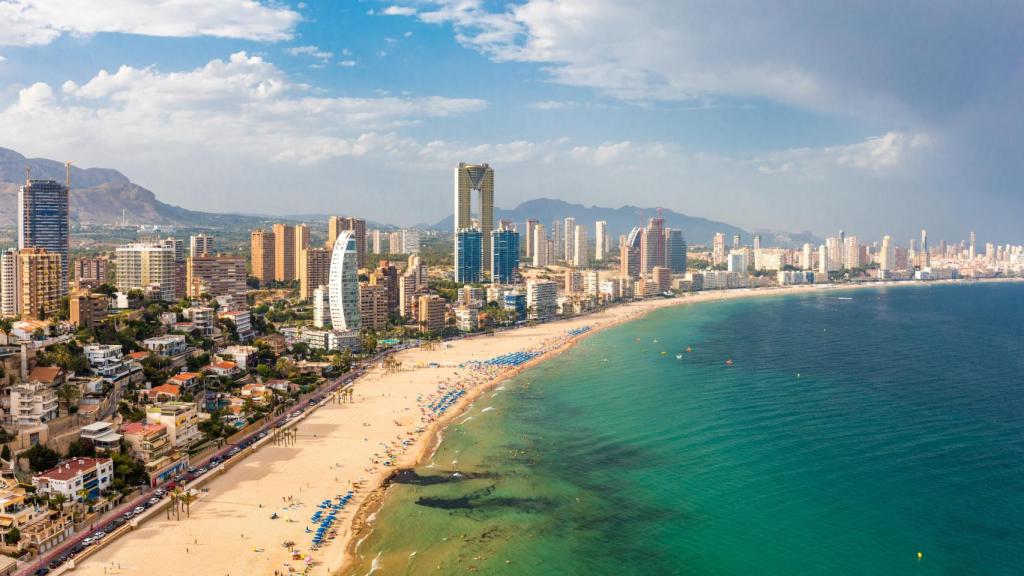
{"x": 360, "y": 446}
{"x": 362, "y": 524}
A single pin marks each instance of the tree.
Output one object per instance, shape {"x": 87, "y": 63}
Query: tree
{"x": 13, "y": 535}
{"x": 41, "y": 458}
{"x": 79, "y": 448}
{"x": 68, "y": 394}
{"x": 57, "y": 500}
{"x": 187, "y": 498}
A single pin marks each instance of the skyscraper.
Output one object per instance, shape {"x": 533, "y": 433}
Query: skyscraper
{"x": 973, "y": 252}
{"x": 675, "y": 251}
{"x": 343, "y": 284}
{"x": 505, "y": 262}
{"x": 10, "y": 284}
{"x": 337, "y": 224}
{"x": 531, "y": 232}
{"x": 629, "y": 254}
{"x": 580, "y": 250}
{"x": 284, "y": 253}
{"x": 216, "y": 276}
{"x": 261, "y": 249}
{"x": 473, "y": 179}
{"x": 541, "y": 256}
{"x": 469, "y": 248}
{"x": 43, "y": 221}
{"x": 652, "y": 245}
{"x": 823, "y": 265}
{"x": 314, "y": 270}
{"x": 924, "y": 258}
{"x": 600, "y": 239}
{"x": 569, "y": 239}
{"x": 887, "y": 256}
{"x": 718, "y": 249}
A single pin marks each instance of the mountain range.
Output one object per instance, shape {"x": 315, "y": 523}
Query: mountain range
{"x": 98, "y": 196}
{"x": 104, "y": 196}
{"x": 621, "y": 220}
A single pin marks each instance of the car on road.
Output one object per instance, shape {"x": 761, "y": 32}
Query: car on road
{"x": 154, "y": 501}
{"x": 139, "y": 510}
{"x": 88, "y": 541}
{"x": 159, "y": 492}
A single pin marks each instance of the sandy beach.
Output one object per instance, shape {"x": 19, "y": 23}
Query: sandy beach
{"x": 342, "y": 447}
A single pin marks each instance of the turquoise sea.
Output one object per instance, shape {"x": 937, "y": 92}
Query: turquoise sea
{"x": 853, "y": 430}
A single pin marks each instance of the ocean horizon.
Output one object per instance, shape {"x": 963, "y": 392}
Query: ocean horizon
{"x": 874, "y": 431}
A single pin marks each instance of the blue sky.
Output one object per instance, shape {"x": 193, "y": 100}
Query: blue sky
{"x": 875, "y": 117}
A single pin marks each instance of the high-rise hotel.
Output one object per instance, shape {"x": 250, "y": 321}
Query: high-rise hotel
{"x": 43, "y": 221}
{"x": 470, "y": 180}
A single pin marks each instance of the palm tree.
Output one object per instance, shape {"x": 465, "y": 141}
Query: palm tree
{"x": 176, "y": 495}
{"x": 58, "y": 500}
{"x": 187, "y": 498}
{"x": 5, "y": 326}
{"x": 68, "y": 394}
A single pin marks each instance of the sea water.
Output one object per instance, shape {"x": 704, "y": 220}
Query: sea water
{"x": 876, "y": 431}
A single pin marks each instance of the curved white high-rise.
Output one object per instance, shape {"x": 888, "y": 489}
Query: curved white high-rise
{"x": 343, "y": 285}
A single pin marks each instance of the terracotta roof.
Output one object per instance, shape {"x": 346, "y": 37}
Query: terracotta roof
{"x": 185, "y": 376}
{"x": 47, "y": 374}
{"x": 140, "y": 427}
{"x": 224, "y": 365}
{"x": 70, "y": 468}
{"x": 138, "y": 355}
{"x": 168, "y": 389}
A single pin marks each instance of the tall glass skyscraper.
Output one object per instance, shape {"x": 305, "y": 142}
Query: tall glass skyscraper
{"x": 343, "y": 283}
{"x": 505, "y": 260}
{"x": 675, "y": 251}
{"x": 469, "y": 247}
{"x": 470, "y": 180}
{"x": 43, "y": 221}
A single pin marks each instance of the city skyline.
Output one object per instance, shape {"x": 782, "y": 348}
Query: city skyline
{"x": 367, "y": 108}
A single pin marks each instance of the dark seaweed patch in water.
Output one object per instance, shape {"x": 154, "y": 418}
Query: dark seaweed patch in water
{"x": 481, "y": 500}
{"x": 412, "y": 477}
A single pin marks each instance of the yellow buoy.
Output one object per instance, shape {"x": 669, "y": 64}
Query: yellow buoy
{"x": 920, "y": 555}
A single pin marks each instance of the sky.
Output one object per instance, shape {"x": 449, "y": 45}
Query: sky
{"x": 872, "y": 117}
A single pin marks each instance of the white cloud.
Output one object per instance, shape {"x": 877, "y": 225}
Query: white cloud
{"x": 888, "y": 152}
{"x": 243, "y": 106}
{"x": 312, "y": 51}
{"x": 34, "y": 22}
{"x": 400, "y": 11}
{"x": 2, "y": 59}
{"x": 347, "y": 63}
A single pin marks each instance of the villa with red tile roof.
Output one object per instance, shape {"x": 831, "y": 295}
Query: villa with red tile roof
{"x": 162, "y": 393}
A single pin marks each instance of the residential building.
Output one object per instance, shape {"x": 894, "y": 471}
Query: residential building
{"x": 40, "y": 283}
{"x": 431, "y": 313}
{"x": 505, "y": 262}
{"x": 314, "y": 270}
{"x": 180, "y": 257}
{"x": 469, "y": 249}
{"x": 343, "y": 284}
{"x": 887, "y": 256}
{"x": 151, "y": 445}
{"x": 10, "y": 284}
{"x": 90, "y": 272}
{"x": 181, "y": 420}
{"x": 467, "y": 318}
{"x": 285, "y": 258}
{"x": 357, "y": 226}
{"x": 662, "y": 278}
{"x": 32, "y": 403}
{"x": 216, "y": 276}
{"x": 737, "y": 261}
{"x": 200, "y": 245}
{"x": 531, "y": 237}
{"x": 106, "y": 361}
{"x": 541, "y": 246}
{"x": 569, "y": 239}
{"x": 102, "y": 437}
{"x": 141, "y": 266}
{"x": 541, "y": 300}
{"x": 600, "y": 239}
{"x": 44, "y": 222}
{"x": 244, "y": 356}
{"x": 474, "y": 179}
{"x": 87, "y": 310}
{"x": 77, "y": 479}
{"x": 262, "y": 247}
{"x": 321, "y": 308}
{"x": 581, "y": 249}
{"x": 167, "y": 345}
{"x": 243, "y": 323}
{"x": 718, "y": 249}
{"x": 373, "y": 306}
